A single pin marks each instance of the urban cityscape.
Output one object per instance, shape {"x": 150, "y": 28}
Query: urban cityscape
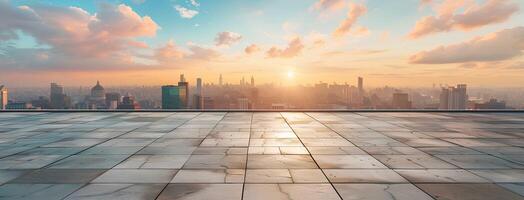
{"x": 247, "y": 95}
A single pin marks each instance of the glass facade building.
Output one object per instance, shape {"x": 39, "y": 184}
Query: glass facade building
{"x": 172, "y": 97}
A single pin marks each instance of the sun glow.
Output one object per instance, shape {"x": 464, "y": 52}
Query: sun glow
{"x": 290, "y": 74}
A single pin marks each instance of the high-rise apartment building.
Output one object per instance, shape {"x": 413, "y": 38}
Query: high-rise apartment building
{"x": 3, "y": 97}
{"x": 454, "y": 98}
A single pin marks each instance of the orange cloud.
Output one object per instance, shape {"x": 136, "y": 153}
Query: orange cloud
{"x": 253, "y": 48}
{"x": 355, "y": 12}
{"x": 293, "y": 49}
{"x": 474, "y": 16}
{"x": 169, "y": 52}
{"x": 502, "y": 45}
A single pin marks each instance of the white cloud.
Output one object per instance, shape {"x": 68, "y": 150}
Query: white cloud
{"x": 227, "y": 38}
{"x": 185, "y": 12}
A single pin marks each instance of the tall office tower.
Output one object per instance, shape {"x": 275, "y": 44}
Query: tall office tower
{"x": 198, "y": 100}
{"x": 401, "y": 101}
{"x": 172, "y": 97}
{"x": 361, "y": 85}
{"x": 220, "y": 80}
{"x": 3, "y": 97}
{"x": 454, "y": 98}
{"x": 113, "y": 99}
{"x": 58, "y": 99}
{"x": 252, "y": 81}
{"x": 184, "y": 91}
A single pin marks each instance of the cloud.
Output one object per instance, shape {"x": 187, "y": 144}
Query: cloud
{"x": 199, "y": 52}
{"x": 194, "y": 3}
{"x": 251, "y": 49}
{"x": 227, "y": 38}
{"x": 169, "y": 52}
{"x": 293, "y": 49}
{"x": 72, "y": 33}
{"x": 474, "y": 16}
{"x": 331, "y": 5}
{"x": 498, "y": 46}
{"x": 185, "y": 12}
{"x": 355, "y": 12}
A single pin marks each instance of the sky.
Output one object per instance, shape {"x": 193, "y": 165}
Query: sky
{"x": 408, "y": 43}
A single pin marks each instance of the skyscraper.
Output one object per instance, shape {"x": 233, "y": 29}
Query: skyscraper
{"x": 220, "y": 80}
{"x": 58, "y": 99}
{"x": 3, "y": 97}
{"x": 172, "y": 97}
{"x": 361, "y": 85}
{"x": 454, "y": 98}
{"x": 184, "y": 88}
{"x": 198, "y": 100}
{"x": 252, "y": 81}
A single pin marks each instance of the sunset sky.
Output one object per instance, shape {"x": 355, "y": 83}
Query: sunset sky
{"x": 149, "y": 42}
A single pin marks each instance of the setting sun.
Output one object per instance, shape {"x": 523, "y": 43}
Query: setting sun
{"x": 290, "y": 74}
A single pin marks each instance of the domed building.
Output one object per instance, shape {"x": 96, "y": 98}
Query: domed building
{"x": 98, "y": 96}
{"x": 98, "y": 92}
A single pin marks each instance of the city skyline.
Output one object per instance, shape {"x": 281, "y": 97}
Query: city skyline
{"x": 475, "y": 42}
{"x": 246, "y": 95}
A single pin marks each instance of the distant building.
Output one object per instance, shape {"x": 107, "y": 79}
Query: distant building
{"x": 361, "y": 85}
{"x": 97, "y": 100}
{"x": 279, "y": 106}
{"x": 243, "y": 103}
{"x": 401, "y": 101}
{"x": 172, "y": 97}
{"x": 59, "y": 100}
{"x": 184, "y": 85}
{"x": 129, "y": 103}
{"x": 220, "y": 80}
{"x": 491, "y": 104}
{"x": 198, "y": 100}
{"x": 252, "y": 81}
{"x": 113, "y": 99}
{"x": 209, "y": 103}
{"x": 41, "y": 103}
{"x": 3, "y": 97}
{"x": 18, "y": 105}
{"x": 454, "y": 98}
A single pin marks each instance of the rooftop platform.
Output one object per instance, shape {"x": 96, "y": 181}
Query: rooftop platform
{"x": 261, "y": 155}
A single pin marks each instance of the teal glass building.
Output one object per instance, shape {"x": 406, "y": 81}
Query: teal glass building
{"x": 172, "y": 97}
